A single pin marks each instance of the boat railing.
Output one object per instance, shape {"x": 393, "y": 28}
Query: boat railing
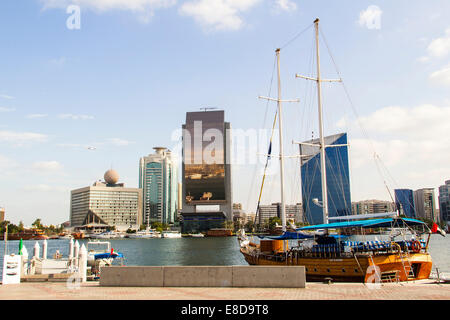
{"x": 349, "y": 248}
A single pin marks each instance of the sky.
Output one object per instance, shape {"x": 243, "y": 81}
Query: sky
{"x": 89, "y": 85}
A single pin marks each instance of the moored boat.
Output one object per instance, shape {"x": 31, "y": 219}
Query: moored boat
{"x": 145, "y": 234}
{"x": 196, "y": 235}
{"x": 337, "y": 258}
{"x": 341, "y": 256}
{"x": 170, "y": 234}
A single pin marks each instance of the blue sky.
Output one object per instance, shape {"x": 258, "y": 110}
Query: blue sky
{"x": 124, "y": 81}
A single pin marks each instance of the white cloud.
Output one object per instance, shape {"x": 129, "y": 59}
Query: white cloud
{"x": 440, "y": 47}
{"x": 218, "y": 14}
{"x": 425, "y": 121}
{"x": 20, "y": 138}
{"x": 47, "y": 166}
{"x": 75, "y": 116}
{"x": 371, "y": 17}
{"x": 5, "y": 96}
{"x": 6, "y": 163}
{"x": 411, "y": 142}
{"x": 441, "y": 77}
{"x": 6, "y": 109}
{"x": 144, "y": 8}
{"x": 36, "y": 115}
{"x": 285, "y": 5}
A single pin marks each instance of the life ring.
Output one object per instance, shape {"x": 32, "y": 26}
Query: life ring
{"x": 416, "y": 246}
{"x": 395, "y": 244}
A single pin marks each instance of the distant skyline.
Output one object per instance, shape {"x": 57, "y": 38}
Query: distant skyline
{"x": 78, "y": 97}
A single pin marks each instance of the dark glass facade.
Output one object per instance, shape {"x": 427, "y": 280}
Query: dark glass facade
{"x": 338, "y": 180}
{"x": 444, "y": 201}
{"x": 204, "y": 157}
{"x": 202, "y": 222}
{"x": 404, "y": 202}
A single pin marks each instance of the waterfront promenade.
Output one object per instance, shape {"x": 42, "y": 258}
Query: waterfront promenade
{"x": 418, "y": 290}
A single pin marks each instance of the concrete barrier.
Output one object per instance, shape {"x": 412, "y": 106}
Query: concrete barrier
{"x": 198, "y": 276}
{"x": 132, "y": 276}
{"x": 269, "y": 277}
{"x": 204, "y": 276}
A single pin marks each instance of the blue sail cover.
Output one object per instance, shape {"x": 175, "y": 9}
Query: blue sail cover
{"x": 372, "y": 223}
{"x": 108, "y": 255}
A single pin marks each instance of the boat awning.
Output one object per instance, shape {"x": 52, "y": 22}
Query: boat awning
{"x": 372, "y": 223}
{"x": 292, "y": 235}
{"x": 365, "y": 216}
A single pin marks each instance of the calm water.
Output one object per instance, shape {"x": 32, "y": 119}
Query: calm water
{"x": 194, "y": 251}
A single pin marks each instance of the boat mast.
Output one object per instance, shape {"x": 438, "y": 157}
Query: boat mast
{"x": 322, "y": 138}
{"x": 321, "y": 143}
{"x": 280, "y": 128}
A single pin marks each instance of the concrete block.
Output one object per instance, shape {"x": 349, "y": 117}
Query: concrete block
{"x": 269, "y": 276}
{"x": 132, "y": 276}
{"x": 197, "y": 276}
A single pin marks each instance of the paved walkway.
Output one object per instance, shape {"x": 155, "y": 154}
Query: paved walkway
{"x": 420, "y": 290}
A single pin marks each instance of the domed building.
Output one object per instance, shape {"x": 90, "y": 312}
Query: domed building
{"x": 106, "y": 204}
{"x": 111, "y": 177}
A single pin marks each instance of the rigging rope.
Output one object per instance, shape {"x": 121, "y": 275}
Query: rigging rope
{"x": 356, "y": 113}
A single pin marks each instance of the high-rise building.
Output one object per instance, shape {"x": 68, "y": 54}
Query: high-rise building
{"x": 338, "y": 179}
{"x": 207, "y": 192}
{"x": 293, "y": 212}
{"x": 107, "y": 201}
{"x": 237, "y": 206}
{"x": 159, "y": 184}
{"x": 404, "y": 202}
{"x": 425, "y": 204}
{"x": 372, "y": 206}
{"x": 2, "y": 214}
{"x": 444, "y": 201}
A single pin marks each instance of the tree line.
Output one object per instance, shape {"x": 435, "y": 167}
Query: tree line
{"x": 37, "y": 224}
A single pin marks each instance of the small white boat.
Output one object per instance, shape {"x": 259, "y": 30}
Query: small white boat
{"x": 197, "y": 235}
{"x": 107, "y": 235}
{"x": 145, "y": 234}
{"x": 100, "y": 253}
{"x": 171, "y": 234}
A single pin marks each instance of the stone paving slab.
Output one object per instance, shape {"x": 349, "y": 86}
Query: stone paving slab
{"x": 424, "y": 290}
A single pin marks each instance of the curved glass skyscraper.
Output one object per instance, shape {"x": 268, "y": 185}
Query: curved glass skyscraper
{"x": 338, "y": 180}
{"x": 158, "y": 180}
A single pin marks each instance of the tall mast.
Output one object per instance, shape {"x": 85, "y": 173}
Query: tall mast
{"x": 321, "y": 143}
{"x": 323, "y": 168}
{"x": 280, "y": 128}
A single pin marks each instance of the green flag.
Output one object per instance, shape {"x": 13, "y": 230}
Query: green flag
{"x": 20, "y": 246}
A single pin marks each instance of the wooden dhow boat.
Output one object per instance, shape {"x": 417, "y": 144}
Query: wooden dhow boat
{"x": 335, "y": 257}
{"x": 328, "y": 251}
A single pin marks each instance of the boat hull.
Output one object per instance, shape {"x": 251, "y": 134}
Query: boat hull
{"x": 352, "y": 269}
